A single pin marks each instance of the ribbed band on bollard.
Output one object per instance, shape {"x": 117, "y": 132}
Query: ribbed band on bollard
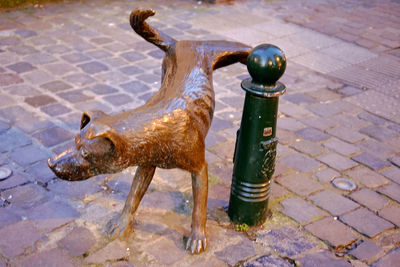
{"x": 255, "y": 149}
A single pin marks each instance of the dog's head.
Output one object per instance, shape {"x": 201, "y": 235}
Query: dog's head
{"x": 96, "y": 150}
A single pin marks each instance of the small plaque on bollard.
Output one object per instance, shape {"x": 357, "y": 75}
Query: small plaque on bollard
{"x": 267, "y": 131}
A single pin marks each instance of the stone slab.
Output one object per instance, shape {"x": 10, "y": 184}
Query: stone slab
{"x": 301, "y": 210}
{"x": 366, "y": 222}
{"x": 335, "y": 203}
{"x": 299, "y": 183}
{"x": 331, "y": 230}
{"x": 369, "y": 199}
{"x": 27, "y": 235}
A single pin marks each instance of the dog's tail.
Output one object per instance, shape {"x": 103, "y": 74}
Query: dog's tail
{"x": 138, "y": 24}
{"x": 225, "y": 53}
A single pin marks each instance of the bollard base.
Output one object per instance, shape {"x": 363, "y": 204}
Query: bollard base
{"x": 250, "y": 213}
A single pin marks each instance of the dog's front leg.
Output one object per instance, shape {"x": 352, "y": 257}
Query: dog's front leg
{"x": 197, "y": 241}
{"x": 122, "y": 225}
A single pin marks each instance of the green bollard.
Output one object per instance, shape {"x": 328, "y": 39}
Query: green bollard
{"x": 255, "y": 149}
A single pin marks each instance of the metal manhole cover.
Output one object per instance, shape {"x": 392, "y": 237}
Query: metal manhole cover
{"x": 5, "y": 173}
{"x": 344, "y": 184}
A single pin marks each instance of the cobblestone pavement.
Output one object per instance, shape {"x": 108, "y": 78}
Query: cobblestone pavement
{"x": 339, "y": 118}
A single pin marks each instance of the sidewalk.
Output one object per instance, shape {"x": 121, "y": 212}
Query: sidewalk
{"x": 340, "y": 117}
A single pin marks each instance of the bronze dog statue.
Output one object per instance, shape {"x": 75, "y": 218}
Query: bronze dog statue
{"x": 168, "y": 131}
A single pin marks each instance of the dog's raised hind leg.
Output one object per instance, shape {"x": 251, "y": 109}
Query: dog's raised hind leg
{"x": 122, "y": 225}
{"x": 197, "y": 241}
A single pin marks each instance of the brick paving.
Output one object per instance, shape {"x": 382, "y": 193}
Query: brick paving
{"x": 339, "y": 118}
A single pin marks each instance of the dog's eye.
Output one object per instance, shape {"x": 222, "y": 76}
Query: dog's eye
{"x": 84, "y": 153}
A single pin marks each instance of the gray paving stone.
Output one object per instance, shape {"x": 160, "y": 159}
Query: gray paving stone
{"x": 334, "y": 203}
{"x": 234, "y": 253}
{"x": 299, "y": 183}
{"x": 74, "y": 190}
{"x": 379, "y": 133}
{"x": 379, "y": 149}
{"x": 78, "y": 241}
{"x": 289, "y": 124}
{"x": 135, "y": 87}
{"x": 395, "y": 161}
{"x": 393, "y": 173}
{"x": 23, "y": 50}
{"x": 56, "y": 86}
{"x": 367, "y": 177}
{"x": 55, "y": 109}
{"x": 369, "y": 199}
{"x": 53, "y": 136}
{"x": 112, "y": 251}
{"x": 300, "y": 162}
{"x": 366, "y": 250}
{"x": 7, "y": 217}
{"x": 75, "y": 58}
{"x": 27, "y": 155}
{"x": 392, "y": 190}
{"x": 349, "y": 121}
{"x": 301, "y": 210}
{"x": 391, "y": 214}
{"x": 286, "y": 242}
{"x": 319, "y": 122}
{"x": 41, "y": 172}
{"x": 312, "y": 134}
{"x": 371, "y": 161}
{"x": 52, "y": 214}
{"x": 12, "y": 139}
{"x": 51, "y": 257}
{"x": 102, "y": 89}
{"x": 132, "y": 56}
{"x": 26, "y": 196}
{"x": 320, "y": 62}
{"x": 299, "y": 98}
{"x": 390, "y": 259}
{"x": 349, "y": 91}
{"x": 365, "y": 222}
{"x": 326, "y": 175}
{"x": 75, "y": 96}
{"x": 323, "y": 258}
{"x": 16, "y": 179}
{"x": 310, "y": 148}
{"x": 289, "y": 109}
{"x": 337, "y": 162}
{"x": 60, "y": 69}
{"x": 39, "y": 58}
{"x": 331, "y": 230}
{"x": 341, "y": 147}
{"x": 377, "y": 103}
{"x": 346, "y": 134}
{"x": 372, "y": 118}
{"x": 267, "y": 261}
{"x": 37, "y": 77}
{"x": 93, "y": 67}
{"x": 40, "y": 100}
{"x": 118, "y": 99}
{"x": 22, "y": 90}
{"x": 27, "y": 234}
{"x": 166, "y": 251}
{"x": 21, "y": 67}
{"x": 79, "y": 79}
{"x": 323, "y": 109}
{"x": 26, "y": 33}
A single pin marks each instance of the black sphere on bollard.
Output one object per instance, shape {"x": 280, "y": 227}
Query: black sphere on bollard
{"x": 266, "y": 64}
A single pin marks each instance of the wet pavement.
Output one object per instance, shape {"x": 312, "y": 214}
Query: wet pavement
{"x": 339, "y": 118}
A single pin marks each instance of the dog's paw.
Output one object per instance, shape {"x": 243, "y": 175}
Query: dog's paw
{"x": 118, "y": 226}
{"x": 196, "y": 242}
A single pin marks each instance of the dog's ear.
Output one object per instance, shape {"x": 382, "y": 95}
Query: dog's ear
{"x": 90, "y": 115}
